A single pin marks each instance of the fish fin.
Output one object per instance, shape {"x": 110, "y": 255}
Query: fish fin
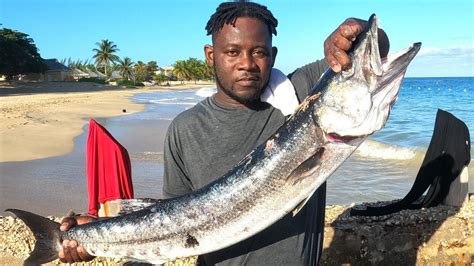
{"x": 307, "y": 168}
{"x": 47, "y": 236}
{"x": 132, "y": 205}
{"x": 301, "y": 205}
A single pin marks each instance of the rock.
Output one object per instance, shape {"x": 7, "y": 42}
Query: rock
{"x": 429, "y": 236}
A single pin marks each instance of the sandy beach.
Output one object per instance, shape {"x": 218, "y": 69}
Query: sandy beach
{"x": 41, "y": 119}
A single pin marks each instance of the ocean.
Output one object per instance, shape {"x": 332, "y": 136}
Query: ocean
{"x": 383, "y": 168}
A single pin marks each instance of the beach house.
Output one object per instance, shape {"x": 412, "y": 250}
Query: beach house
{"x": 56, "y": 72}
{"x": 114, "y": 77}
{"x": 168, "y": 71}
{"x": 78, "y": 74}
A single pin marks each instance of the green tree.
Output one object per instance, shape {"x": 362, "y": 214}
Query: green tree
{"x": 79, "y": 64}
{"x": 104, "y": 55}
{"x": 181, "y": 70}
{"x": 126, "y": 68}
{"x": 160, "y": 78}
{"x": 141, "y": 72}
{"x": 114, "y": 67}
{"x": 18, "y": 54}
{"x": 194, "y": 67}
{"x": 151, "y": 67}
{"x": 208, "y": 72}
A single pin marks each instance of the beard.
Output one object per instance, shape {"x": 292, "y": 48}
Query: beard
{"x": 246, "y": 99}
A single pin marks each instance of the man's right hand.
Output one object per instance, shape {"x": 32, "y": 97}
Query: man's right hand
{"x": 72, "y": 252}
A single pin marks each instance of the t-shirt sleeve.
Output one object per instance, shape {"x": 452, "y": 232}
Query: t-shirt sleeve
{"x": 175, "y": 180}
{"x": 305, "y": 77}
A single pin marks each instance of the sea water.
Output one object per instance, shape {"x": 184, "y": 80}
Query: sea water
{"x": 384, "y": 167}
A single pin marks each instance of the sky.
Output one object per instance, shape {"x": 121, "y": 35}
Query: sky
{"x": 166, "y": 31}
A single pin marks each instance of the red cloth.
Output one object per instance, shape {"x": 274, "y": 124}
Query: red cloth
{"x": 109, "y": 172}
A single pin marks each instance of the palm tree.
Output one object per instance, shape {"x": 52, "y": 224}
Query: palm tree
{"x": 126, "y": 68}
{"x": 193, "y": 67}
{"x": 141, "y": 73}
{"x": 181, "y": 70}
{"x": 105, "y": 54}
{"x": 160, "y": 78}
{"x": 207, "y": 71}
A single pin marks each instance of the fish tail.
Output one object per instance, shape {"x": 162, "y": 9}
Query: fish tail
{"x": 47, "y": 236}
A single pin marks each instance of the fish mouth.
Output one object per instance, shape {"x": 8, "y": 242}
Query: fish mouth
{"x": 395, "y": 65}
{"x": 371, "y": 87}
{"x": 388, "y": 86}
{"x": 379, "y": 72}
{"x": 385, "y": 91}
{"x": 336, "y": 138}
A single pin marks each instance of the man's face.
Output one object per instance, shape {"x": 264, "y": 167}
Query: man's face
{"x": 242, "y": 58}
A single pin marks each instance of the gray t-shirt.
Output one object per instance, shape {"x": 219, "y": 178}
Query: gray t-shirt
{"x": 206, "y": 141}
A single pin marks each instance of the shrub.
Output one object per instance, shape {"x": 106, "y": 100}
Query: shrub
{"x": 92, "y": 79}
{"x": 129, "y": 83}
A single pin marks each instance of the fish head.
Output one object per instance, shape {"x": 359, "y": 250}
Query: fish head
{"x": 356, "y": 102}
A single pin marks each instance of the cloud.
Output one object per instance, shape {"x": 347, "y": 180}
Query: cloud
{"x": 462, "y": 51}
{"x": 455, "y": 60}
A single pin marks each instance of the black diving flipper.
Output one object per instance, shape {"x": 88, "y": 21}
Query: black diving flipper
{"x": 447, "y": 155}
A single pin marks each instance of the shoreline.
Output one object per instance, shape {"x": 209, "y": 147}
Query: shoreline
{"x": 33, "y": 114}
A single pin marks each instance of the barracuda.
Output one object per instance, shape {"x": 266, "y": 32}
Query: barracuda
{"x": 274, "y": 179}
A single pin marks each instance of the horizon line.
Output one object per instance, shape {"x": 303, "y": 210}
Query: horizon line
{"x": 439, "y": 76}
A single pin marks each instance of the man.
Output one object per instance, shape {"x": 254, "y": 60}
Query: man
{"x": 205, "y": 142}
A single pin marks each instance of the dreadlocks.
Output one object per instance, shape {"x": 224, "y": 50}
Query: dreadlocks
{"x": 229, "y": 12}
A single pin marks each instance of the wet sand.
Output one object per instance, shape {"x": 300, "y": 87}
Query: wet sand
{"x": 52, "y": 186}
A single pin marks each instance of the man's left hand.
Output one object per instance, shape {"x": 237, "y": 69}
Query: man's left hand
{"x": 339, "y": 43}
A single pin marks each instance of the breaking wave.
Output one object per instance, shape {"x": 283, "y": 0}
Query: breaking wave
{"x": 174, "y": 101}
{"x": 379, "y": 150}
